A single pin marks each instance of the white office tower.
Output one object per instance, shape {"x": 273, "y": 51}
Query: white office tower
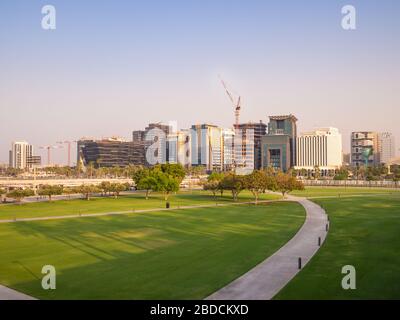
{"x": 387, "y": 147}
{"x": 228, "y": 136}
{"x": 207, "y": 146}
{"x": 20, "y": 152}
{"x": 321, "y": 148}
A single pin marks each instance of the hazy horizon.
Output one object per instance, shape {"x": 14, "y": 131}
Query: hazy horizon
{"x": 112, "y": 67}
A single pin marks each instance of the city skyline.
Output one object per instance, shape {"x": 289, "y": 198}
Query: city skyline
{"x": 106, "y": 64}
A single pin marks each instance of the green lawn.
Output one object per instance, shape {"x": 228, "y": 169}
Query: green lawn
{"x": 342, "y": 191}
{"x": 108, "y": 204}
{"x": 365, "y": 233}
{"x": 177, "y": 254}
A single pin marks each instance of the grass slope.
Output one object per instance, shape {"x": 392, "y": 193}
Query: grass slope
{"x": 135, "y": 201}
{"x": 179, "y": 254}
{"x": 365, "y": 233}
{"x": 342, "y": 191}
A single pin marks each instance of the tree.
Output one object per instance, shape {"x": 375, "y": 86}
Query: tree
{"x": 105, "y": 187}
{"x": 396, "y": 175}
{"x": 117, "y": 188}
{"x": 233, "y": 183}
{"x": 341, "y": 174}
{"x": 214, "y": 180}
{"x": 20, "y": 194}
{"x": 91, "y": 169}
{"x": 258, "y": 182}
{"x": 213, "y": 186}
{"x": 175, "y": 170}
{"x": 286, "y": 183}
{"x": 2, "y": 193}
{"x": 69, "y": 191}
{"x": 87, "y": 190}
{"x": 144, "y": 180}
{"x": 165, "y": 183}
{"x": 48, "y": 190}
{"x": 317, "y": 172}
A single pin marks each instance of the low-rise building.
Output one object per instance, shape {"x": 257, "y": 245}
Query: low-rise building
{"x": 320, "y": 149}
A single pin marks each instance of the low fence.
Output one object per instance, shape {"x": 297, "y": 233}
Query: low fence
{"x": 351, "y": 183}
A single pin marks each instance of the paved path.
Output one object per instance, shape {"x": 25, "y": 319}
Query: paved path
{"x": 265, "y": 280}
{"x": 10, "y": 294}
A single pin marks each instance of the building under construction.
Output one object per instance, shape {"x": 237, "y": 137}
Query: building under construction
{"x": 249, "y": 149}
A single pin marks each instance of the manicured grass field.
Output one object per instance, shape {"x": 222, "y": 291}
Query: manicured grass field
{"x": 364, "y": 233}
{"x": 135, "y": 201}
{"x": 177, "y": 254}
{"x": 342, "y": 191}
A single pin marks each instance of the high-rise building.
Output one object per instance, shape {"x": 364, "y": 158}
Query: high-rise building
{"x": 387, "y": 147}
{"x": 364, "y": 148}
{"x": 279, "y": 145}
{"x": 179, "y": 148}
{"x": 19, "y": 154}
{"x": 207, "y": 146}
{"x": 228, "y": 138}
{"x": 156, "y": 143}
{"x": 321, "y": 148}
{"x": 138, "y": 147}
{"x": 250, "y": 147}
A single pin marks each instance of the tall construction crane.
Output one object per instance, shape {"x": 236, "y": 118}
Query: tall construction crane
{"x": 236, "y": 102}
{"x": 48, "y": 148}
{"x": 68, "y": 143}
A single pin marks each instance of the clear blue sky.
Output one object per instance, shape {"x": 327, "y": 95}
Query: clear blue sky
{"x": 111, "y": 67}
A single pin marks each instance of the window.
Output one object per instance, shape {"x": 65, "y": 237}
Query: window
{"x": 280, "y": 124}
{"x": 275, "y": 158}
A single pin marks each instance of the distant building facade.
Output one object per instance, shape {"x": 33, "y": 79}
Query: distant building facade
{"x": 207, "y": 147}
{"x": 279, "y": 145}
{"x": 34, "y": 161}
{"x": 228, "y": 138}
{"x": 111, "y": 152}
{"x": 321, "y": 148}
{"x": 19, "y": 154}
{"x": 362, "y": 143}
{"x": 179, "y": 148}
{"x": 387, "y": 148}
{"x": 156, "y": 143}
{"x": 250, "y": 146}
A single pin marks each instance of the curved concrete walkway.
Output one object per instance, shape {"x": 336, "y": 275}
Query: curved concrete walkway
{"x": 265, "y": 280}
{"x": 10, "y": 294}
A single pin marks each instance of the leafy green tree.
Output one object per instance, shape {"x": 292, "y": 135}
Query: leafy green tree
{"x": 396, "y": 175}
{"x": 258, "y": 182}
{"x": 117, "y": 188}
{"x": 20, "y": 194}
{"x": 341, "y": 174}
{"x": 286, "y": 183}
{"x": 166, "y": 184}
{"x": 140, "y": 174}
{"x": 175, "y": 170}
{"x": 214, "y": 181}
{"x": 87, "y": 190}
{"x": 213, "y": 186}
{"x": 49, "y": 191}
{"x": 105, "y": 187}
{"x": 233, "y": 183}
{"x": 69, "y": 191}
{"x": 145, "y": 180}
